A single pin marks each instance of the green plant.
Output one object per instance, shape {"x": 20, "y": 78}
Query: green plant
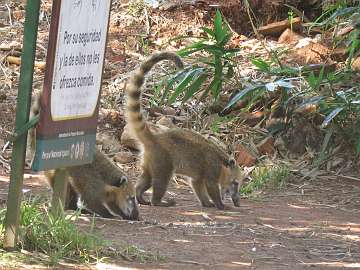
{"x": 216, "y": 123}
{"x": 132, "y": 253}
{"x": 291, "y": 18}
{"x": 340, "y": 15}
{"x": 254, "y": 92}
{"x": 212, "y": 66}
{"x": 265, "y": 176}
{"x": 56, "y": 236}
{"x": 315, "y": 81}
{"x": 136, "y": 7}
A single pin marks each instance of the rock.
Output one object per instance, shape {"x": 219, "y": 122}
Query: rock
{"x": 243, "y": 156}
{"x": 289, "y": 37}
{"x": 313, "y": 53}
{"x": 356, "y": 64}
{"x": 166, "y": 121}
{"x": 115, "y": 118}
{"x": 278, "y": 27}
{"x": 128, "y": 140}
{"x": 168, "y": 111}
{"x": 2, "y": 95}
{"x": 339, "y": 54}
{"x": 124, "y": 157}
{"x": 108, "y": 142}
{"x": 155, "y": 111}
{"x": 266, "y": 146}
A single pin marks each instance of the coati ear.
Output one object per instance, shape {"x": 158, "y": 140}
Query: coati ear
{"x": 123, "y": 179}
{"x": 231, "y": 162}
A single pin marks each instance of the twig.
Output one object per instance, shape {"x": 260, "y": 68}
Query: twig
{"x": 147, "y": 21}
{"x": 192, "y": 262}
{"x": 348, "y": 177}
{"x": 247, "y": 6}
{"x": 9, "y": 10}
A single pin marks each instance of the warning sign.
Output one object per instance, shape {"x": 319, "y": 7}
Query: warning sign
{"x": 67, "y": 128}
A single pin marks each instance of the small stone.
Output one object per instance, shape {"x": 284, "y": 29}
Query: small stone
{"x": 127, "y": 139}
{"x": 289, "y": 37}
{"x": 124, "y": 157}
{"x": 266, "y": 146}
{"x": 166, "y": 121}
{"x": 244, "y": 157}
{"x": 356, "y": 64}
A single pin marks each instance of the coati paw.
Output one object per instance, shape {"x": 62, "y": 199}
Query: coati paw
{"x": 227, "y": 207}
{"x": 167, "y": 203}
{"x": 208, "y": 204}
{"x": 236, "y": 204}
{"x": 223, "y": 207}
{"x": 143, "y": 202}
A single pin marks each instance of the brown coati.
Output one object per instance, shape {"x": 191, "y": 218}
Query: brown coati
{"x": 102, "y": 187}
{"x": 178, "y": 151}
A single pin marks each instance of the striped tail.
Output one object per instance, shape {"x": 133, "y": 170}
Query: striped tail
{"x": 133, "y": 91}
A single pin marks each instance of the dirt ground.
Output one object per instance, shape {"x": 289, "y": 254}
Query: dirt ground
{"x": 306, "y": 225}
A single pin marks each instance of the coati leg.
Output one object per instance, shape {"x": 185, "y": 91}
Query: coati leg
{"x": 143, "y": 185}
{"x": 200, "y": 191}
{"x": 235, "y": 194}
{"x": 71, "y": 195}
{"x": 160, "y": 182}
{"x": 214, "y": 193}
{"x": 71, "y": 198}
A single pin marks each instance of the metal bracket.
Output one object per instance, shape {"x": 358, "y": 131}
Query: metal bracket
{"x": 32, "y": 123}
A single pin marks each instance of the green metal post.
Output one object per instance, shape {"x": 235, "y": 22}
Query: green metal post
{"x": 22, "y": 117}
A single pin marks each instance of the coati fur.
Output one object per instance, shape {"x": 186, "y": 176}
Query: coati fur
{"x": 180, "y": 151}
{"x": 102, "y": 186}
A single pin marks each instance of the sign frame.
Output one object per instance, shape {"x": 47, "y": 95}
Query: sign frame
{"x": 58, "y": 142}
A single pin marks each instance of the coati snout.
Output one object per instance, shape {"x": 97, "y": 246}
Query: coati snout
{"x": 120, "y": 200}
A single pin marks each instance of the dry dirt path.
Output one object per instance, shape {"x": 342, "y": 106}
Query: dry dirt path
{"x": 315, "y": 225}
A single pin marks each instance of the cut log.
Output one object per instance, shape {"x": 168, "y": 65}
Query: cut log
{"x": 277, "y": 28}
{"x": 17, "y": 61}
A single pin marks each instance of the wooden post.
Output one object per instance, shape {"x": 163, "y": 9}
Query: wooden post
{"x": 59, "y": 192}
{"x": 22, "y": 117}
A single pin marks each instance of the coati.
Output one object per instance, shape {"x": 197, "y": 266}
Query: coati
{"x": 178, "y": 151}
{"x": 101, "y": 185}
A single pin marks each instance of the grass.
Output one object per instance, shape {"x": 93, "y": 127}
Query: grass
{"x": 133, "y": 253}
{"x": 55, "y": 236}
{"x": 263, "y": 177}
{"x": 59, "y": 238}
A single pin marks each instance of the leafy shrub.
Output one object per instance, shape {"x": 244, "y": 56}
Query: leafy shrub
{"x": 340, "y": 15}
{"x": 212, "y": 66}
{"x": 266, "y": 176}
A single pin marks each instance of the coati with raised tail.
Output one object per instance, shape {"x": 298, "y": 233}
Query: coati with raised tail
{"x": 178, "y": 151}
{"x": 102, "y": 187}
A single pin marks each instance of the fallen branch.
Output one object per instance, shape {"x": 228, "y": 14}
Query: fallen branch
{"x": 17, "y": 61}
{"x": 278, "y": 27}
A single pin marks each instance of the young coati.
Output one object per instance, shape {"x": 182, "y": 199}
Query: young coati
{"x": 178, "y": 151}
{"x": 101, "y": 185}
